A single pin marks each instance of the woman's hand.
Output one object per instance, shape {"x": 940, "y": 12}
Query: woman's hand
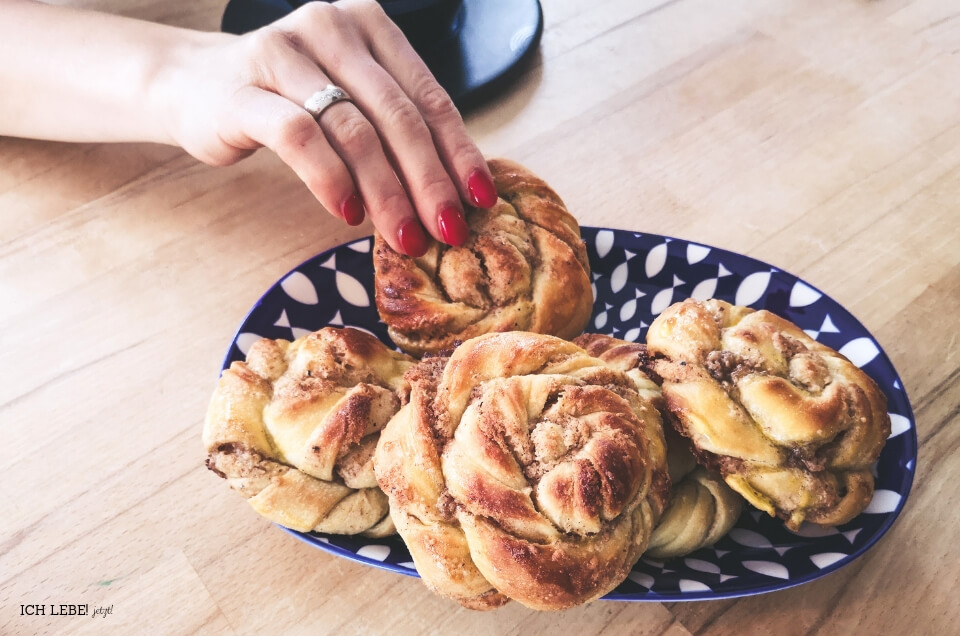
{"x": 398, "y": 152}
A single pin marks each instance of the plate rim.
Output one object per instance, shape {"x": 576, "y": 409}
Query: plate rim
{"x": 315, "y": 539}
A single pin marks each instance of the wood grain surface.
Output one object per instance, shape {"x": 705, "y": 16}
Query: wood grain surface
{"x": 822, "y": 136}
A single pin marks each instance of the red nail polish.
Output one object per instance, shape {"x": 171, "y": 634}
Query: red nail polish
{"x": 352, "y": 209}
{"x": 412, "y": 238}
{"x": 482, "y": 191}
{"x": 452, "y": 226}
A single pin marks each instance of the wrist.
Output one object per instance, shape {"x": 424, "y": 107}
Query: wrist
{"x": 176, "y": 78}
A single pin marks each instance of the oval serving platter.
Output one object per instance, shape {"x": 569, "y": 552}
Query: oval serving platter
{"x": 635, "y": 277}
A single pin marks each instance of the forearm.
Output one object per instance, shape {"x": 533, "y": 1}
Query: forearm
{"x": 397, "y": 151}
{"x": 74, "y": 75}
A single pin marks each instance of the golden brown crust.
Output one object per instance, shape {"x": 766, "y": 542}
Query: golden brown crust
{"x": 631, "y": 358}
{"x": 701, "y": 507}
{"x": 524, "y": 267}
{"x": 523, "y": 468}
{"x": 294, "y": 428}
{"x": 792, "y": 424}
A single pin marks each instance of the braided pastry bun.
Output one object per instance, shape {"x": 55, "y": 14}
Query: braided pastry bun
{"x": 702, "y": 508}
{"x": 522, "y": 468}
{"x": 294, "y": 428}
{"x": 523, "y": 267}
{"x": 791, "y": 424}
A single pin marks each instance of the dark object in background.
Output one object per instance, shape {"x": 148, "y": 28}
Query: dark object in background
{"x": 473, "y": 47}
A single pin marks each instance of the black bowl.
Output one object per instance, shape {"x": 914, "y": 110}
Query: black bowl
{"x": 473, "y": 47}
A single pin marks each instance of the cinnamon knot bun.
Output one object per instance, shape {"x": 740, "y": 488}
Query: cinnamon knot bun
{"x": 294, "y": 428}
{"x": 523, "y": 267}
{"x": 701, "y": 508}
{"x": 791, "y": 424}
{"x": 523, "y": 468}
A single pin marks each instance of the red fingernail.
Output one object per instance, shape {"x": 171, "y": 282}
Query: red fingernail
{"x": 482, "y": 191}
{"x": 452, "y": 226}
{"x": 412, "y": 238}
{"x": 352, "y": 209}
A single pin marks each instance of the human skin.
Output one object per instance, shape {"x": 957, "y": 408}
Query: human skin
{"x": 398, "y": 152}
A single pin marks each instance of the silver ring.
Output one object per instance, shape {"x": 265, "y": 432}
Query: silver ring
{"x": 321, "y": 100}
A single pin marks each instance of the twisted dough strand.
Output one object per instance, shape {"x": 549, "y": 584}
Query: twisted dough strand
{"x": 523, "y": 468}
{"x": 791, "y": 424}
{"x": 293, "y": 429}
{"x": 524, "y": 267}
{"x": 701, "y": 508}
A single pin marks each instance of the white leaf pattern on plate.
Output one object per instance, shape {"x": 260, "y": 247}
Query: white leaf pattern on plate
{"x": 689, "y": 585}
{"x": 604, "y": 242}
{"x": 811, "y": 530}
{"x": 828, "y": 326}
{"x": 883, "y": 501}
{"x": 245, "y": 340}
{"x": 656, "y": 259}
{"x": 362, "y": 246}
{"x": 629, "y": 308}
{"x": 352, "y": 291}
{"x": 803, "y": 295}
{"x": 769, "y": 568}
{"x": 664, "y": 298}
{"x": 601, "y": 320}
{"x": 850, "y": 535}
{"x": 705, "y": 289}
{"x": 618, "y": 279}
{"x": 641, "y": 579}
{"x": 751, "y": 289}
{"x": 898, "y": 424}
{"x": 860, "y": 351}
{"x": 702, "y": 566}
{"x": 300, "y": 288}
{"x": 696, "y": 253}
{"x": 374, "y": 551}
{"x": 750, "y": 538}
{"x": 349, "y": 288}
{"x": 826, "y": 559}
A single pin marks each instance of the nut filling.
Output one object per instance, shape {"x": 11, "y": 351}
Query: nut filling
{"x": 541, "y": 484}
{"x": 791, "y": 424}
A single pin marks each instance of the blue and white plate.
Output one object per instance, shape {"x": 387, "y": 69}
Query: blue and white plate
{"x": 635, "y": 277}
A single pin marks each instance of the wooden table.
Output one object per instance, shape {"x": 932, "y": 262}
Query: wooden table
{"x": 822, "y": 136}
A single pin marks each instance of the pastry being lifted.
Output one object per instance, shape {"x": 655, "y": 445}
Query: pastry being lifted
{"x": 523, "y": 268}
{"x": 791, "y": 424}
